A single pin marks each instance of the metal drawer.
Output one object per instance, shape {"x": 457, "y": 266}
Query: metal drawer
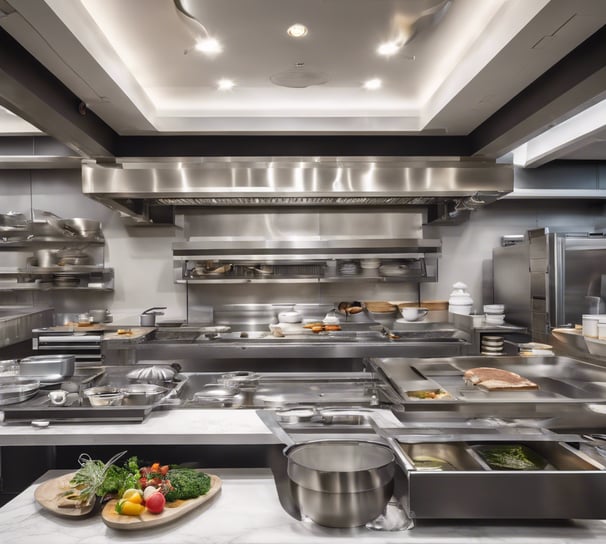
{"x": 573, "y": 485}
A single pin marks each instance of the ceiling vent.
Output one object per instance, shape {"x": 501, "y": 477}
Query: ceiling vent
{"x": 298, "y": 77}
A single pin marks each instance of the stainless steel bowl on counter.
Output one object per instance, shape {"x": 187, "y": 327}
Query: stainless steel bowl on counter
{"x": 218, "y": 396}
{"x": 104, "y": 395}
{"x": 341, "y": 483}
{"x": 143, "y": 393}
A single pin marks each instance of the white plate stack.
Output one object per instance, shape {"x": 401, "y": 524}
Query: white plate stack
{"x": 494, "y": 314}
{"x": 492, "y": 345}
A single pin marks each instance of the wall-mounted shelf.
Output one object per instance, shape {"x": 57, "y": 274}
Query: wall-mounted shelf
{"x": 89, "y": 278}
{"x": 328, "y": 260}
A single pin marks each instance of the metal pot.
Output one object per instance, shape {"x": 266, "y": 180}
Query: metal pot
{"x": 157, "y": 374}
{"x": 104, "y": 395}
{"x": 46, "y": 258}
{"x": 148, "y": 317}
{"x": 218, "y": 396}
{"x": 143, "y": 393}
{"x": 340, "y": 483}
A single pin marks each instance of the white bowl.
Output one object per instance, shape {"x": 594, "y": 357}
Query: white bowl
{"x": 492, "y": 344}
{"x": 494, "y": 308}
{"x": 494, "y": 319}
{"x": 491, "y": 349}
{"x": 290, "y": 317}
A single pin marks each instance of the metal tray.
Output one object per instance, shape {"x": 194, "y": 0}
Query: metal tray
{"x": 572, "y": 484}
{"x": 561, "y": 380}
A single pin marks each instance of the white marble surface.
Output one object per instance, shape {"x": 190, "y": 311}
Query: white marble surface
{"x": 172, "y": 426}
{"x": 247, "y": 511}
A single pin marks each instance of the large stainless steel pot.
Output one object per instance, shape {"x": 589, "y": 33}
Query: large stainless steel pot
{"x": 341, "y": 483}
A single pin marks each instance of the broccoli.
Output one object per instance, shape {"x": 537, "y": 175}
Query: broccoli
{"x": 187, "y": 484}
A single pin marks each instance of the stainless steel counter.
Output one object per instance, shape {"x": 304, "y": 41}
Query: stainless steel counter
{"x": 355, "y": 341}
{"x": 17, "y": 323}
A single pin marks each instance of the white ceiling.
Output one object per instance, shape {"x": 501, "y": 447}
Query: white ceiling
{"x": 133, "y": 62}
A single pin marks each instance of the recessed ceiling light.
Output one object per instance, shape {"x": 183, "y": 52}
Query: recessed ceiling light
{"x": 297, "y": 30}
{"x": 225, "y": 84}
{"x": 373, "y": 84}
{"x": 387, "y": 49}
{"x": 209, "y": 46}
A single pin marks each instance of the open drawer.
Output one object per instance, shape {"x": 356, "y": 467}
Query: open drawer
{"x": 460, "y": 480}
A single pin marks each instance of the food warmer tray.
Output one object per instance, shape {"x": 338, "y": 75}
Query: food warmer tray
{"x": 561, "y": 380}
{"x": 572, "y": 484}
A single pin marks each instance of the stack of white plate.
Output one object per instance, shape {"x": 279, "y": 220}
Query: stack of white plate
{"x": 494, "y": 314}
{"x": 492, "y": 345}
{"x": 348, "y": 269}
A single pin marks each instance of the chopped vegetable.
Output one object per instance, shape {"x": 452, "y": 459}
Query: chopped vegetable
{"x": 187, "y": 484}
{"x": 512, "y": 457}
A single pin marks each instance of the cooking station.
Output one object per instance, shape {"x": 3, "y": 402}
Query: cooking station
{"x": 197, "y": 347}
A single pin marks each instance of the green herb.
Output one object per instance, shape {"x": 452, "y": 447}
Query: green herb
{"x": 187, "y": 484}
{"x": 89, "y": 479}
{"x": 513, "y": 457}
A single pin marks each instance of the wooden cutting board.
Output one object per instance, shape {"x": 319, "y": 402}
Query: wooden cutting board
{"x": 171, "y": 512}
{"x": 50, "y": 495}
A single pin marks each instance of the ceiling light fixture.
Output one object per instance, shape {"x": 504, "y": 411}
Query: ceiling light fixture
{"x": 405, "y": 26}
{"x": 297, "y": 30}
{"x": 209, "y": 46}
{"x": 225, "y": 84}
{"x": 205, "y": 43}
{"x": 373, "y": 84}
{"x": 387, "y": 49}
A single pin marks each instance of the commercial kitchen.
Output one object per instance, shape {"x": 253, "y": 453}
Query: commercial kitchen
{"x": 347, "y": 258}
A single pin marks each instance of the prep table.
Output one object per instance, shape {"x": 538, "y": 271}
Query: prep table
{"x": 247, "y": 511}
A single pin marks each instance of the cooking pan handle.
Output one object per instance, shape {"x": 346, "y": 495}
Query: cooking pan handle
{"x": 154, "y": 308}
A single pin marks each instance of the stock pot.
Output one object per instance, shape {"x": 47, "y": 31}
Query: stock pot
{"x": 340, "y": 483}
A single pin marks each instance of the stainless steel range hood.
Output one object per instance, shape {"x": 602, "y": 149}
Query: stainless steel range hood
{"x": 150, "y": 190}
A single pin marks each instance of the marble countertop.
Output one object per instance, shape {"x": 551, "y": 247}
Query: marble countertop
{"x": 248, "y": 511}
{"x": 204, "y": 426}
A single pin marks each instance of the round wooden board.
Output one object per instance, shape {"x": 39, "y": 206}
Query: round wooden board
{"x": 49, "y": 495}
{"x": 117, "y": 521}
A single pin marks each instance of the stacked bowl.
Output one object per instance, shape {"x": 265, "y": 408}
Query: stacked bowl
{"x": 492, "y": 345}
{"x": 494, "y": 314}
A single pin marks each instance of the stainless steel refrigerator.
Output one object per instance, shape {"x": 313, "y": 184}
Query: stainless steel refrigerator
{"x": 551, "y": 279}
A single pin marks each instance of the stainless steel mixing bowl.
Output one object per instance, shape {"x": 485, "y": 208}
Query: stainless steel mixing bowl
{"x": 341, "y": 483}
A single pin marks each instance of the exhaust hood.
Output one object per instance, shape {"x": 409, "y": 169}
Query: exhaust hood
{"x": 149, "y": 191}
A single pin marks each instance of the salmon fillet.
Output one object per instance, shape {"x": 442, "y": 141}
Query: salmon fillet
{"x": 496, "y": 379}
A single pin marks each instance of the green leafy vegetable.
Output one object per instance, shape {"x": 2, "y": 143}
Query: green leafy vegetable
{"x": 512, "y": 457}
{"x": 89, "y": 479}
{"x": 187, "y": 484}
{"x": 118, "y": 479}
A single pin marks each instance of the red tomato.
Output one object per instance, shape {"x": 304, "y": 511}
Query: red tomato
{"x": 155, "y": 503}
